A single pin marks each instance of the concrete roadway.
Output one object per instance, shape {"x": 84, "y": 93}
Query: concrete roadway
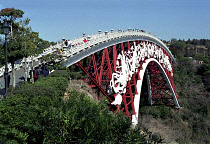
{"x": 19, "y": 77}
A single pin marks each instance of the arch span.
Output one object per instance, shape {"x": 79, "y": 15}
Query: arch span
{"x": 99, "y": 42}
{"x": 117, "y": 66}
{"x": 139, "y": 86}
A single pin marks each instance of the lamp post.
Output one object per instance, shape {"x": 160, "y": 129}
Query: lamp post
{"x": 6, "y": 28}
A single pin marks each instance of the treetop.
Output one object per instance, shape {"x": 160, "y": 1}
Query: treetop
{"x": 10, "y": 14}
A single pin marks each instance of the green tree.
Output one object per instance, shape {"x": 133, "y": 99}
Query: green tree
{"x": 28, "y": 37}
{"x": 10, "y": 14}
{"x": 208, "y": 46}
{"x": 37, "y": 113}
{"x": 177, "y": 47}
{"x": 1, "y": 53}
{"x": 41, "y": 45}
{"x": 199, "y": 57}
{"x": 54, "y": 61}
{"x": 23, "y": 42}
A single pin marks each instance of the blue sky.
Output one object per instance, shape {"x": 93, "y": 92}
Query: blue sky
{"x": 54, "y": 19}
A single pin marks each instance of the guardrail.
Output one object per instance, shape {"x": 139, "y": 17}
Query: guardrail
{"x": 21, "y": 62}
{"x": 77, "y": 46}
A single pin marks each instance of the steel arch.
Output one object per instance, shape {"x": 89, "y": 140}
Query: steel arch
{"x": 139, "y": 86}
{"x": 132, "y": 88}
{"x": 95, "y": 47}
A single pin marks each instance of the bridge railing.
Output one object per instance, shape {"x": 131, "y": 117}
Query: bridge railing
{"x": 21, "y": 62}
{"x": 78, "y": 45}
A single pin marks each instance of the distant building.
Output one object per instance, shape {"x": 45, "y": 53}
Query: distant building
{"x": 194, "y": 49}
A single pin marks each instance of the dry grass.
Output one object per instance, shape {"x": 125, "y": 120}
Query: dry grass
{"x": 80, "y": 86}
{"x": 158, "y": 128}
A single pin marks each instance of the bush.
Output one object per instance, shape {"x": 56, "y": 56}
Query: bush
{"x": 37, "y": 113}
{"x": 59, "y": 84}
{"x": 25, "y": 113}
{"x": 59, "y": 73}
{"x": 82, "y": 120}
{"x": 76, "y": 75}
{"x": 156, "y": 111}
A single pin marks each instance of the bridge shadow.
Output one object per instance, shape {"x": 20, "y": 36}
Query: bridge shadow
{"x": 144, "y": 101}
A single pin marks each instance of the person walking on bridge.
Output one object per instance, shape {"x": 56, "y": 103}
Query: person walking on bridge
{"x": 61, "y": 51}
{"x": 66, "y": 43}
{"x": 85, "y": 40}
{"x": 69, "y": 44}
{"x": 37, "y": 72}
{"x": 45, "y": 70}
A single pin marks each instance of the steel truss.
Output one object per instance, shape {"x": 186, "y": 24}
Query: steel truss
{"x": 99, "y": 71}
{"x": 160, "y": 91}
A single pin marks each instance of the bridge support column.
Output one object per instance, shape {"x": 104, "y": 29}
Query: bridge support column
{"x": 148, "y": 87}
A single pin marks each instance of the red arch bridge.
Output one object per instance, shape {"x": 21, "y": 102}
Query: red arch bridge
{"x": 122, "y": 65}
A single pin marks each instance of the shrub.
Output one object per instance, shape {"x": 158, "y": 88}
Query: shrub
{"x": 59, "y": 84}
{"x": 59, "y": 73}
{"x": 76, "y": 75}
{"x": 25, "y": 113}
{"x": 156, "y": 111}
{"x": 85, "y": 121}
{"x": 37, "y": 113}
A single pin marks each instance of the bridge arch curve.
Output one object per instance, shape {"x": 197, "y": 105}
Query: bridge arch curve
{"x": 119, "y": 70}
{"x": 139, "y": 86}
{"x": 99, "y": 43}
{"x": 106, "y": 71}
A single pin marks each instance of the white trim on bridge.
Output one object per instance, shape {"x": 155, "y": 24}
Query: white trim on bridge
{"x": 139, "y": 86}
{"x": 96, "y": 42}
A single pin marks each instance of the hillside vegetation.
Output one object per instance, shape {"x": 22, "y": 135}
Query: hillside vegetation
{"x": 39, "y": 113}
{"x": 191, "y": 123}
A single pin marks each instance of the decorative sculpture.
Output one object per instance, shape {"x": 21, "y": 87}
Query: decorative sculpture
{"x": 128, "y": 63}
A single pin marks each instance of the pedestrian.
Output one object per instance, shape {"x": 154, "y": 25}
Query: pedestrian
{"x": 35, "y": 75}
{"x": 85, "y": 40}
{"x": 45, "y": 70}
{"x": 46, "y": 67}
{"x": 39, "y": 70}
{"x": 69, "y": 44}
{"x": 45, "y": 73}
{"x": 66, "y": 43}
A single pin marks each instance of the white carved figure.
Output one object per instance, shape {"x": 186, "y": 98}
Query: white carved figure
{"x": 152, "y": 50}
{"x": 156, "y": 53}
{"x": 127, "y": 64}
{"x": 118, "y": 100}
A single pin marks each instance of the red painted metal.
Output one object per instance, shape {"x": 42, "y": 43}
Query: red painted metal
{"x": 114, "y": 56}
{"x": 99, "y": 73}
{"x": 92, "y": 69}
{"x": 159, "y": 88}
{"x": 94, "y": 81}
{"x": 122, "y": 48}
{"x": 95, "y": 67}
{"x": 131, "y": 97}
{"x": 125, "y": 105}
{"x": 102, "y": 66}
